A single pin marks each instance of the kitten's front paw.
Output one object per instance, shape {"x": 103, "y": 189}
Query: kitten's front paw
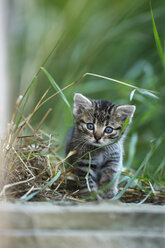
{"x": 110, "y": 193}
{"x": 87, "y": 195}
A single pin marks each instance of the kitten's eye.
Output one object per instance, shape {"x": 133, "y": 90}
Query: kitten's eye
{"x": 90, "y": 126}
{"x": 108, "y": 130}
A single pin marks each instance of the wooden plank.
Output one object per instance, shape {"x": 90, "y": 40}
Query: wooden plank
{"x": 81, "y": 239}
{"x": 103, "y": 216}
{"x": 105, "y": 224}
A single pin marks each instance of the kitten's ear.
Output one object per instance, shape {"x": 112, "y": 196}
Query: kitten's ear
{"x": 80, "y": 102}
{"x": 126, "y": 111}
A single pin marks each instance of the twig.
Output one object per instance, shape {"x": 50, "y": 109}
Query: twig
{"x": 14, "y": 184}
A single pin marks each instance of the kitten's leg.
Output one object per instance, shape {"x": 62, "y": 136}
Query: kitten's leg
{"x": 109, "y": 175}
{"x": 86, "y": 187}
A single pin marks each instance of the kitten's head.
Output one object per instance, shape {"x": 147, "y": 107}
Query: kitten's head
{"x": 99, "y": 121}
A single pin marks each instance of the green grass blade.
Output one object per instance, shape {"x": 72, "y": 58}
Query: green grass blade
{"x": 132, "y": 179}
{"x": 87, "y": 175}
{"x": 147, "y": 93}
{"x": 29, "y": 197}
{"x": 124, "y": 179}
{"x": 132, "y": 149}
{"x": 143, "y": 200}
{"x": 55, "y": 86}
{"x": 28, "y": 93}
{"x": 157, "y": 40}
{"x": 161, "y": 166}
{"x": 113, "y": 80}
{"x": 126, "y": 122}
{"x": 145, "y": 161}
{"x": 132, "y": 95}
{"x": 152, "y": 188}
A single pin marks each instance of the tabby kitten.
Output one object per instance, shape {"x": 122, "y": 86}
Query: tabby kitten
{"x": 97, "y": 125}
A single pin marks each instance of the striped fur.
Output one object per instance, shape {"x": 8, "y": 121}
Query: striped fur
{"x": 106, "y": 161}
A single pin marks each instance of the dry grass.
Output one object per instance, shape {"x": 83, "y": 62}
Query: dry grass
{"x": 31, "y": 161}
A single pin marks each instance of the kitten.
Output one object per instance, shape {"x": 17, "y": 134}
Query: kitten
{"x": 98, "y": 124}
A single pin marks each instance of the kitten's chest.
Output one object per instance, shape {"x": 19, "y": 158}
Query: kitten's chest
{"x": 98, "y": 159}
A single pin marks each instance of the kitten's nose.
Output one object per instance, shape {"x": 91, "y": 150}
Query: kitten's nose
{"x": 97, "y": 137}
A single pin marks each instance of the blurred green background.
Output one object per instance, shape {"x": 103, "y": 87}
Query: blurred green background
{"x": 106, "y": 37}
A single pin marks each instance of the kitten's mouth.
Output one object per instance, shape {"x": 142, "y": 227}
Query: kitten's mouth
{"x": 97, "y": 143}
